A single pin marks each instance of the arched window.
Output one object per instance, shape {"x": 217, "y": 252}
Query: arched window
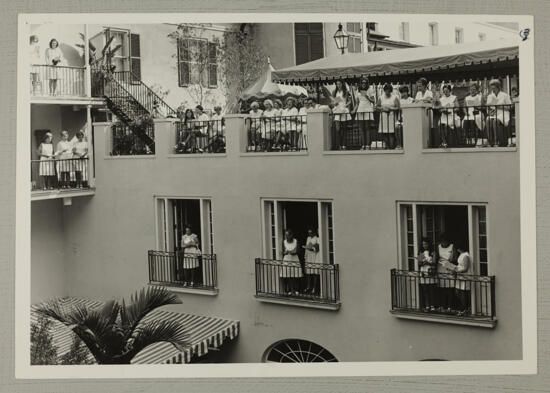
{"x": 297, "y": 351}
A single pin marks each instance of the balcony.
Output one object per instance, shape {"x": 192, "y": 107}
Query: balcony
{"x": 132, "y": 141}
{"x": 61, "y": 178}
{"x": 48, "y": 81}
{"x": 276, "y": 134}
{"x": 446, "y": 298}
{"x": 184, "y": 273}
{"x": 285, "y": 282}
{"x": 197, "y": 137}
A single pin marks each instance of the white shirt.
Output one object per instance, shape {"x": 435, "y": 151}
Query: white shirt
{"x": 427, "y": 96}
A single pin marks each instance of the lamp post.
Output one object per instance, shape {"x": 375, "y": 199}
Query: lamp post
{"x": 341, "y": 38}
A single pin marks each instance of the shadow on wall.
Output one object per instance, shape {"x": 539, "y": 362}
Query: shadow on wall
{"x": 72, "y": 55}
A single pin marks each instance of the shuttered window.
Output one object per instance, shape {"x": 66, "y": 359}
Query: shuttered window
{"x": 184, "y": 70}
{"x": 308, "y": 39}
{"x": 135, "y": 57}
{"x": 212, "y": 64}
{"x": 197, "y": 62}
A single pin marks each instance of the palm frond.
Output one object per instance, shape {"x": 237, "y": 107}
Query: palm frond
{"x": 143, "y": 302}
{"x": 152, "y": 332}
{"x": 107, "y": 45}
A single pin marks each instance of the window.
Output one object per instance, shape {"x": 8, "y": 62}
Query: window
{"x": 128, "y": 56}
{"x": 459, "y": 35}
{"x": 464, "y": 223}
{"x": 482, "y": 36}
{"x": 297, "y": 351}
{"x": 197, "y": 62}
{"x": 372, "y": 26}
{"x": 308, "y": 40}
{"x": 404, "y": 31}
{"x": 434, "y": 33}
{"x": 173, "y": 215}
{"x": 298, "y": 216}
{"x": 354, "y": 41}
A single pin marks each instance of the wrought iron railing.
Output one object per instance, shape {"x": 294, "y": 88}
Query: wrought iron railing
{"x": 459, "y": 295}
{"x": 472, "y": 126}
{"x": 277, "y": 133}
{"x": 56, "y": 174}
{"x": 62, "y": 81}
{"x": 176, "y": 268}
{"x": 200, "y": 136}
{"x": 376, "y": 130}
{"x": 126, "y": 142}
{"x": 313, "y": 282}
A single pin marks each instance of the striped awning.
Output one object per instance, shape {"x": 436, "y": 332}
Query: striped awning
{"x": 205, "y": 333}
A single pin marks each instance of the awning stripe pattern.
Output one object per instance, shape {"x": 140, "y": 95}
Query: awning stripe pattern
{"x": 204, "y": 333}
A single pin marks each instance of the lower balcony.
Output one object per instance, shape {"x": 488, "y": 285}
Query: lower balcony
{"x": 180, "y": 272}
{"x": 313, "y": 285}
{"x": 60, "y": 178}
{"x": 446, "y": 298}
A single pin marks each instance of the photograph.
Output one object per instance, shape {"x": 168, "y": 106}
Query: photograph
{"x": 244, "y": 189}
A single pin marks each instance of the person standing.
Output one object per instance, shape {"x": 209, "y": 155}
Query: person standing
{"x": 291, "y": 269}
{"x": 80, "y": 155}
{"x": 34, "y": 58}
{"x": 46, "y": 168}
{"x": 423, "y": 95}
{"x": 289, "y": 123}
{"x": 473, "y": 121}
{"x": 462, "y": 285}
{"x": 54, "y": 59}
{"x": 445, "y": 257}
{"x": 427, "y": 277}
{"x": 341, "y": 114}
{"x": 364, "y": 113}
{"x": 312, "y": 256}
{"x": 64, "y": 154}
{"x": 191, "y": 255}
{"x": 498, "y": 119}
{"x": 388, "y": 105}
{"x": 448, "y": 106}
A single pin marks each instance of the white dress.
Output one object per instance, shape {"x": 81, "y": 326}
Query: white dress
{"x": 190, "y": 260}
{"x": 448, "y": 116}
{"x": 445, "y": 254}
{"x": 425, "y": 276}
{"x": 463, "y": 268}
{"x": 271, "y": 124}
{"x": 81, "y": 165}
{"x": 471, "y": 102}
{"x": 289, "y": 119}
{"x": 426, "y": 97}
{"x": 46, "y": 164}
{"x": 341, "y": 110}
{"x": 501, "y": 113}
{"x": 365, "y": 109}
{"x": 217, "y": 124}
{"x": 387, "y": 119}
{"x": 254, "y": 122}
{"x": 64, "y": 150}
{"x": 311, "y": 256}
{"x": 291, "y": 263}
{"x": 51, "y": 55}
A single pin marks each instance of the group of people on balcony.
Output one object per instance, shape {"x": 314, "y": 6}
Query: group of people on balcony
{"x": 444, "y": 285}
{"x": 199, "y": 131}
{"x": 297, "y": 277}
{"x": 66, "y": 166}
{"x": 53, "y": 58}
{"x": 279, "y": 127}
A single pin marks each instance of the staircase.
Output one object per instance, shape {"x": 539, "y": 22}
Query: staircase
{"x": 131, "y": 100}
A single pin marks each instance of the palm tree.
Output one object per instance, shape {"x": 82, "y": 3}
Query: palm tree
{"x": 116, "y": 333}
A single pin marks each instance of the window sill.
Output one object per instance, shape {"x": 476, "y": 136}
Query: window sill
{"x": 130, "y": 157}
{"x": 362, "y": 152}
{"x": 274, "y": 154}
{"x": 298, "y": 302}
{"x": 450, "y": 319}
{"x": 197, "y": 155}
{"x": 193, "y": 291}
{"x": 470, "y": 150}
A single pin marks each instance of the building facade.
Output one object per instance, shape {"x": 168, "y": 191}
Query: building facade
{"x": 370, "y": 209}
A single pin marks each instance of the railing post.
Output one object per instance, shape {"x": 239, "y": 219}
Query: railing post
{"x": 235, "y": 134}
{"x": 165, "y": 136}
{"x": 416, "y": 129}
{"x": 318, "y": 130}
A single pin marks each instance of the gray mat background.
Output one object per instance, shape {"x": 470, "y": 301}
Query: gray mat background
{"x": 8, "y": 101}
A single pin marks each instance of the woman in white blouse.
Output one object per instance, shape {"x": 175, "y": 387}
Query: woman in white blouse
{"x": 312, "y": 256}
{"x": 54, "y": 58}
{"x": 289, "y": 125}
{"x": 341, "y": 114}
{"x": 423, "y": 94}
{"x": 64, "y": 165}
{"x": 291, "y": 269}
{"x": 448, "y": 107}
{"x": 498, "y": 116}
{"x": 270, "y": 125}
{"x": 364, "y": 113}
{"x": 462, "y": 285}
{"x": 80, "y": 153}
{"x": 388, "y": 105}
{"x": 473, "y": 120}
{"x": 191, "y": 255}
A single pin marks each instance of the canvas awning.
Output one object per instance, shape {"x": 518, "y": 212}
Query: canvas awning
{"x": 205, "y": 333}
{"x": 484, "y": 55}
{"x": 264, "y": 88}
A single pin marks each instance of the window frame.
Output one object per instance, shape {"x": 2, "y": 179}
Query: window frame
{"x": 404, "y": 31}
{"x": 308, "y": 34}
{"x": 473, "y": 235}
{"x": 459, "y": 35}
{"x": 434, "y": 33}
{"x": 190, "y": 63}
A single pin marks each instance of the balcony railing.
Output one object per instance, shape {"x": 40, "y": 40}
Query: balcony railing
{"x": 61, "y": 81}
{"x": 377, "y": 130}
{"x": 449, "y": 295}
{"x": 305, "y": 282}
{"x": 56, "y": 174}
{"x": 183, "y": 270}
{"x": 474, "y": 126}
{"x": 277, "y": 133}
{"x": 198, "y": 136}
{"x": 125, "y": 142}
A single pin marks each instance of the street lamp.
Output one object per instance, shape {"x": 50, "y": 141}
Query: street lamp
{"x": 341, "y": 37}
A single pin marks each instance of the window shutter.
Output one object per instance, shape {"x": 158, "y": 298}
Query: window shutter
{"x": 184, "y": 71}
{"x": 302, "y": 49}
{"x": 308, "y": 42}
{"x": 212, "y": 64}
{"x": 316, "y": 47}
{"x": 135, "y": 57}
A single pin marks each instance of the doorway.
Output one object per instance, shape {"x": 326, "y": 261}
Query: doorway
{"x": 300, "y": 216}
